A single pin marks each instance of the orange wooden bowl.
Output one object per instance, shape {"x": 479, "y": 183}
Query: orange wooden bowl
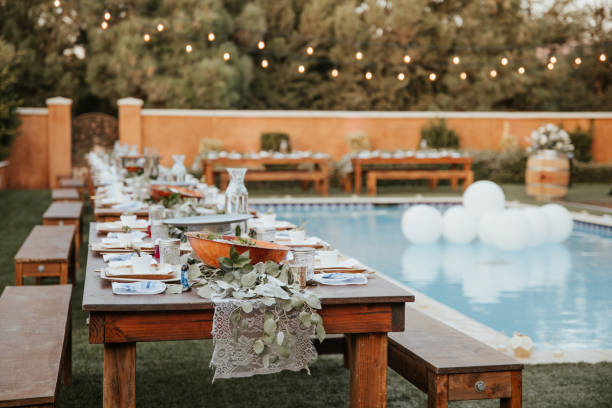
{"x": 209, "y": 251}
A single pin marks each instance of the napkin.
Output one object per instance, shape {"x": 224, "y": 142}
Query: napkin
{"x": 139, "y": 288}
{"x": 341, "y": 279}
{"x": 128, "y": 206}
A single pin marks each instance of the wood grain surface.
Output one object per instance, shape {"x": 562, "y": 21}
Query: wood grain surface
{"x": 65, "y": 194}
{"x": 64, "y": 210}
{"x": 47, "y": 243}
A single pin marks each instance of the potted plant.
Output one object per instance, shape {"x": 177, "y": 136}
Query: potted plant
{"x": 548, "y": 166}
{"x": 9, "y": 120}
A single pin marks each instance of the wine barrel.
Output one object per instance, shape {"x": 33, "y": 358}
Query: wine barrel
{"x": 547, "y": 175}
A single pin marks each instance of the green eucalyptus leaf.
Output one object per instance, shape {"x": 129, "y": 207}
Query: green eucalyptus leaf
{"x": 320, "y": 332}
{"x": 269, "y": 326}
{"x": 271, "y": 268}
{"x": 233, "y": 253}
{"x": 287, "y": 306}
{"x": 284, "y": 351}
{"x": 205, "y": 292}
{"x": 283, "y": 276}
{"x": 269, "y": 339}
{"x": 249, "y": 279}
{"x": 313, "y": 301}
{"x": 258, "y": 346}
{"x": 247, "y": 307}
{"x": 266, "y": 361}
{"x": 305, "y": 319}
{"x": 297, "y": 302}
{"x": 315, "y": 318}
{"x": 280, "y": 337}
{"x": 268, "y": 301}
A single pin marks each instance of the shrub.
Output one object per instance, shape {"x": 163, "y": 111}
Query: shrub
{"x": 591, "y": 172}
{"x": 9, "y": 119}
{"x": 438, "y": 135}
{"x": 272, "y": 141}
{"x": 582, "y": 141}
{"x": 501, "y": 167}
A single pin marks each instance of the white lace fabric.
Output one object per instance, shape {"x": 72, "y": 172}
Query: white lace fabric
{"x": 233, "y": 353}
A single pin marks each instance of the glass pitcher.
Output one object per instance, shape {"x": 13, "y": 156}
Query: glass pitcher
{"x": 236, "y": 194}
{"x": 178, "y": 168}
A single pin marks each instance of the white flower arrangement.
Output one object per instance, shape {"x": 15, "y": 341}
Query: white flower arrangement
{"x": 550, "y": 137}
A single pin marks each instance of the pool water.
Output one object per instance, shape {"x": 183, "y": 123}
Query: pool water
{"x": 559, "y": 294}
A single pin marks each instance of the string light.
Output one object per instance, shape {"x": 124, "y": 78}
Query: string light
{"x": 104, "y": 25}
{"x": 577, "y": 60}
{"x": 301, "y": 69}
{"x": 211, "y": 36}
{"x": 401, "y": 76}
{"x": 57, "y": 3}
{"x": 107, "y": 15}
{"x": 432, "y": 77}
{"x": 309, "y": 50}
{"x": 146, "y": 37}
{"x": 456, "y": 60}
{"x": 261, "y": 45}
{"x": 188, "y": 48}
{"x": 493, "y": 73}
{"x": 407, "y": 59}
{"x": 226, "y": 56}
{"x": 358, "y": 55}
{"x": 265, "y": 64}
{"x": 550, "y": 66}
{"x": 160, "y": 27}
{"x": 504, "y": 61}
{"x": 463, "y": 76}
{"x": 553, "y": 60}
{"x": 521, "y": 70}
{"x": 368, "y": 75}
{"x": 602, "y": 57}
{"x": 334, "y": 73}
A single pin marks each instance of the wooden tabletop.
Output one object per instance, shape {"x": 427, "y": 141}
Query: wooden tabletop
{"x": 249, "y": 161}
{"x": 65, "y": 194}
{"x": 33, "y": 325}
{"x": 70, "y": 182}
{"x": 64, "y": 210}
{"x": 47, "y": 243}
{"x": 98, "y": 296}
{"x": 414, "y": 160}
{"x": 111, "y": 212}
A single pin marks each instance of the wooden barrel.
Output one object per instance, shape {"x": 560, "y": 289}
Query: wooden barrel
{"x": 547, "y": 175}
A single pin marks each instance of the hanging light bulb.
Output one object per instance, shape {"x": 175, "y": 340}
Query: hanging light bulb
{"x": 358, "y": 55}
{"x": 226, "y": 56}
{"x": 107, "y": 15}
{"x": 407, "y": 59}
{"x": 160, "y": 27}
{"x": 265, "y": 64}
{"x": 368, "y": 75}
{"x": 301, "y": 69}
{"x": 211, "y": 36}
{"x": 550, "y": 66}
{"x": 521, "y": 70}
{"x": 456, "y": 60}
{"x": 401, "y": 76}
{"x": 334, "y": 73}
{"x": 188, "y": 48}
{"x": 57, "y": 3}
{"x": 553, "y": 60}
{"x": 104, "y": 25}
{"x": 602, "y": 57}
{"x": 577, "y": 60}
{"x": 309, "y": 50}
{"x": 463, "y": 76}
{"x": 261, "y": 45}
{"x": 493, "y": 73}
{"x": 504, "y": 61}
{"x": 146, "y": 37}
{"x": 432, "y": 77}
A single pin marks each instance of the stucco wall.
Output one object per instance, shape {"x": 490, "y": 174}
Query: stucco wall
{"x": 29, "y": 159}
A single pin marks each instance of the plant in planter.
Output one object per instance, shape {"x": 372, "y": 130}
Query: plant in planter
{"x": 9, "y": 119}
{"x": 437, "y": 135}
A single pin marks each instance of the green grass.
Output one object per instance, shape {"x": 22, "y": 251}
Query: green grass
{"x": 176, "y": 374}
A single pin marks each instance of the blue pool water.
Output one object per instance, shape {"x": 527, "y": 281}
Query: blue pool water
{"x": 560, "y": 295}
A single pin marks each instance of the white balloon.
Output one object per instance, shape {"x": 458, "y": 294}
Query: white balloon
{"x": 483, "y": 196}
{"x": 487, "y": 226}
{"x": 512, "y": 231}
{"x": 458, "y": 226}
{"x": 539, "y": 226}
{"x": 560, "y": 220}
{"x": 422, "y": 224}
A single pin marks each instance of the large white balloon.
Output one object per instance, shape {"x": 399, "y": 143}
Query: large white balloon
{"x": 487, "y": 227}
{"x": 560, "y": 220}
{"x": 483, "y": 196}
{"x": 512, "y": 231}
{"x": 458, "y": 226}
{"x": 422, "y": 224}
{"x": 539, "y": 226}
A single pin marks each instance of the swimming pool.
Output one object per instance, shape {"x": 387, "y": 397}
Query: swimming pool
{"x": 559, "y": 294}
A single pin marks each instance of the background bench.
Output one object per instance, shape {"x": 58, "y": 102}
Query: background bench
{"x": 65, "y": 194}
{"x": 320, "y": 180}
{"x": 69, "y": 182}
{"x": 432, "y": 175}
{"x": 35, "y": 344}
{"x": 66, "y": 213}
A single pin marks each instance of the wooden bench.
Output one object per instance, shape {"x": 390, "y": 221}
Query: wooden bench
{"x": 319, "y": 178}
{"x": 47, "y": 252}
{"x": 65, "y": 194}
{"x": 432, "y": 175}
{"x": 69, "y": 182}
{"x": 445, "y": 363}
{"x": 66, "y": 213}
{"x": 35, "y": 344}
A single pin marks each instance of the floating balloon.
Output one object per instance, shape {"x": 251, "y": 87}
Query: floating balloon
{"x": 422, "y": 224}
{"x": 487, "y": 226}
{"x": 512, "y": 231}
{"x": 539, "y": 226}
{"x": 560, "y": 220}
{"x": 483, "y": 196}
{"x": 458, "y": 226}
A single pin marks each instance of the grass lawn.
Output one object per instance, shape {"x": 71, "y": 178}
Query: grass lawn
{"x": 176, "y": 374}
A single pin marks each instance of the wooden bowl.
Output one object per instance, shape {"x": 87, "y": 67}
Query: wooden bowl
{"x": 160, "y": 190}
{"x": 209, "y": 251}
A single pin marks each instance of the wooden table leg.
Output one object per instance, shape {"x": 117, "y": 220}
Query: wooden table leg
{"x": 64, "y": 271}
{"x": 516, "y": 398}
{"x": 67, "y": 362}
{"x": 18, "y": 274}
{"x": 358, "y": 175}
{"x": 368, "y": 365}
{"x": 437, "y": 390}
{"x": 119, "y": 375}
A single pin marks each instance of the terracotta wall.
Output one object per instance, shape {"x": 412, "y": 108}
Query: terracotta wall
{"x": 179, "y": 131}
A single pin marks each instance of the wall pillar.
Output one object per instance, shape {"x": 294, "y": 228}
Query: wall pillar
{"x": 59, "y": 128}
{"x": 129, "y": 122}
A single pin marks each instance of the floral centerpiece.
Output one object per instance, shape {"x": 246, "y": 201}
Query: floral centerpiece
{"x": 550, "y": 137}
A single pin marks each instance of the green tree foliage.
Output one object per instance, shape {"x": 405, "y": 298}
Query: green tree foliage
{"x": 438, "y": 135}
{"x": 9, "y": 101}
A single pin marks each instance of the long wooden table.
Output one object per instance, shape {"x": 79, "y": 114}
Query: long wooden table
{"x": 365, "y": 314}
{"x": 319, "y": 176}
{"x": 360, "y": 165}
